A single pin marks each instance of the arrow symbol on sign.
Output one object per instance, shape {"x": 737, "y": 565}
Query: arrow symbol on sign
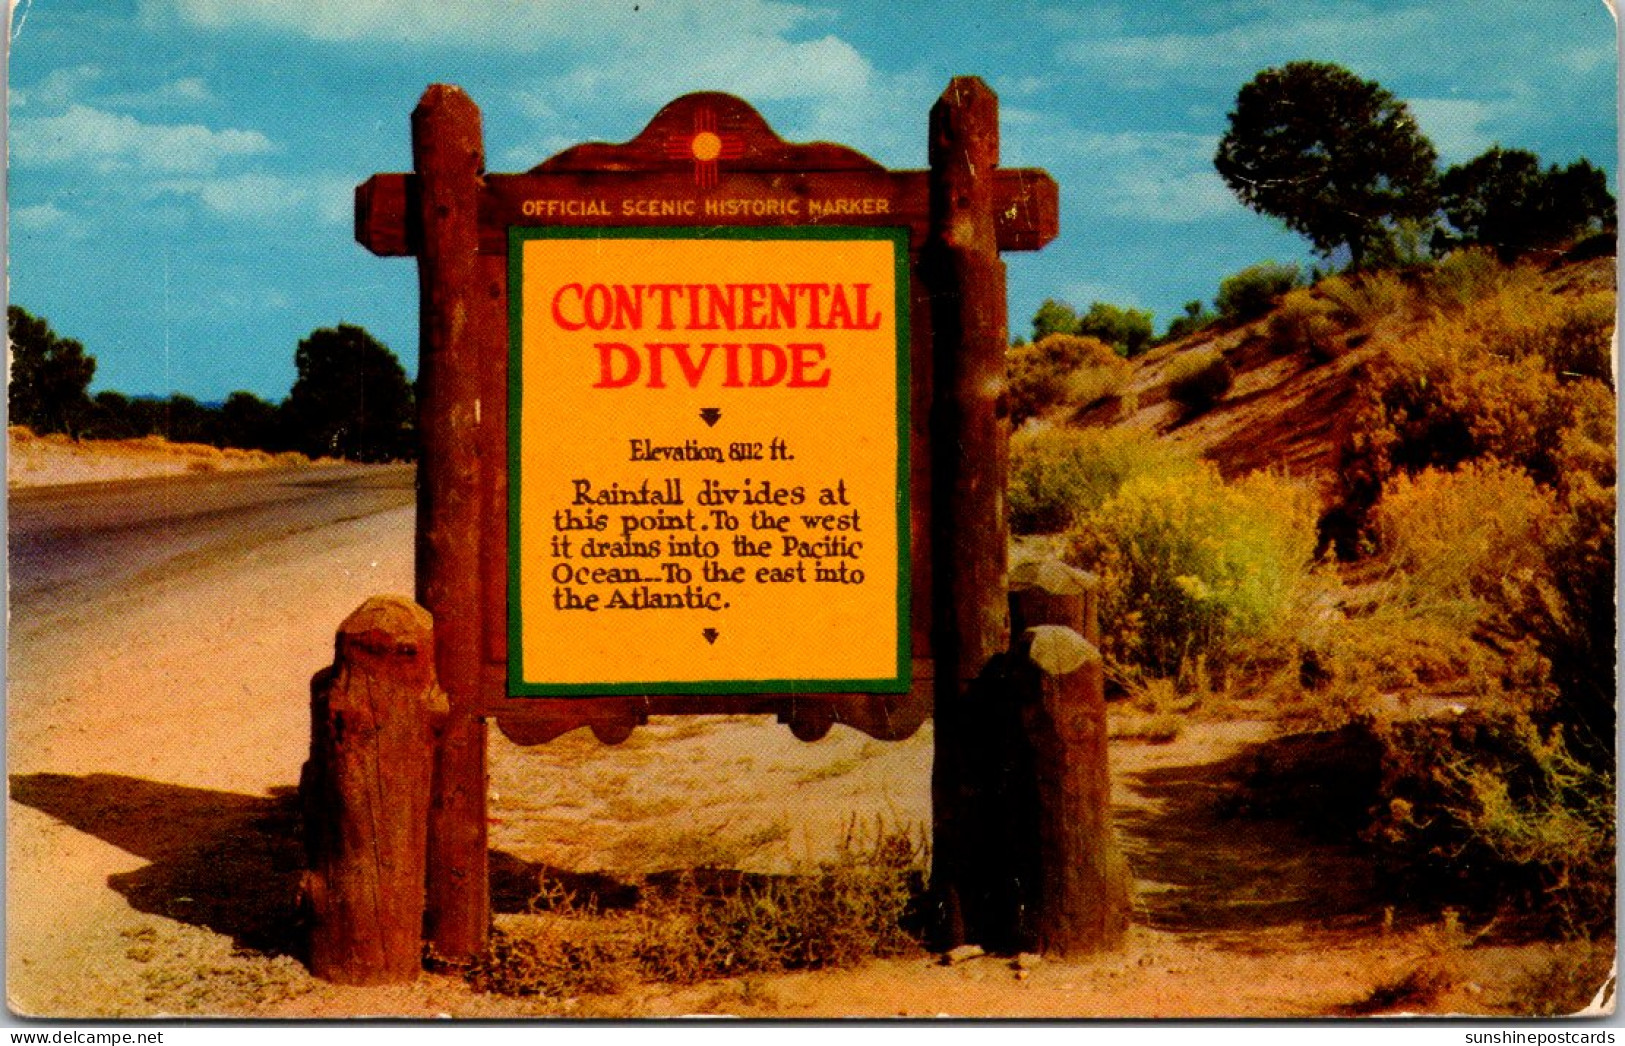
{"x": 710, "y": 415}
{"x": 710, "y": 635}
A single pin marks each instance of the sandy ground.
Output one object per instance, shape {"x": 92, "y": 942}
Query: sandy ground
{"x": 54, "y": 460}
{"x": 154, "y": 743}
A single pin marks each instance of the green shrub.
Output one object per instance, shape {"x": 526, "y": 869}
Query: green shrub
{"x": 1127, "y": 330}
{"x": 1368, "y": 297}
{"x": 1574, "y": 339}
{"x": 1502, "y": 380}
{"x": 1488, "y": 811}
{"x": 1191, "y": 566}
{"x": 1061, "y": 369}
{"x": 1195, "y": 317}
{"x": 849, "y": 909}
{"x": 1054, "y": 317}
{"x": 1058, "y": 475}
{"x": 1253, "y": 291}
{"x": 1198, "y": 380}
{"x": 1466, "y": 277}
{"x": 1308, "y": 325}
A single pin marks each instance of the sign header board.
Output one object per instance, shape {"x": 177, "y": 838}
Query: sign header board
{"x": 708, "y": 460}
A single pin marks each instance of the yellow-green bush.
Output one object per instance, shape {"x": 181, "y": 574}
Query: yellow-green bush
{"x": 1466, "y": 277}
{"x": 1566, "y": 608}
{"x": 1368, "y": 297}
{"x": 1254, "y": 290}
{"x": 1308, "y": 324}
{"x": 1192, "y": 566}
{"x": 846, "y": 911}
{"x": 1199, "y": 379}
{"x": 1487, "y": 810}
{"x": 1572, "y": 338}
{"x": 1061, "y": 368}
{"x": 1503, "y": 380}
{"x": 1058, "y": 475}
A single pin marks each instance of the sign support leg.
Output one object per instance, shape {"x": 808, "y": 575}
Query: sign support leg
{"x": 970, "y": 428}
{"x": 455, "y": 322}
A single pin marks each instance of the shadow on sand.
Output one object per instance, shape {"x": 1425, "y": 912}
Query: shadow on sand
{"x": 1264, "y": 839}
{"x": 1267, "y": 838}
{"x": 231, "y": 863}
{"x": 221, "y": 860}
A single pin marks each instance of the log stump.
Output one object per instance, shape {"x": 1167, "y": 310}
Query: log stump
{"x": 365, "y": 794}
{"x": 1080, "y": 897}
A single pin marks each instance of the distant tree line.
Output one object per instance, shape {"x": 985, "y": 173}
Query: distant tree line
{"x": 351, "y": 399}
{"x": 1341, "y": 161}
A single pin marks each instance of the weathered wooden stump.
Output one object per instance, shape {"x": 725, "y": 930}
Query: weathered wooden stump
{"x": 365, "y": 794}
{"x": 1080, "y": 898}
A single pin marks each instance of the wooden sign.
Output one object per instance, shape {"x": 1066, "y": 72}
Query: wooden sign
{"x": 602, "y": 276}
{"x": 708, "y": 460}
{"x": 677, "y": 395}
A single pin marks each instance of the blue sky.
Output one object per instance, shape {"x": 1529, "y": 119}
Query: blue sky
{"x": 181, "y": 170}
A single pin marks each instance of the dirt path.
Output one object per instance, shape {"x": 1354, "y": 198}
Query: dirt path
{"x": 153, "y": 847}
{"x": 139, "y": 740}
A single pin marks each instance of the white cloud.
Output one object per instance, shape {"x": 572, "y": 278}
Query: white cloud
{"x": 1455, "y": 126}
{"x": 509, "y": 25}
{"x": 188, "y": 90}
{"x": 1080, "y": 294}
{"x": 1152, "y": 176}
{"x": 1171, "y": 196}
{"x": 1346, "y": 32}
{"x": 47, "y": 219}
{"x": 637, "y": 51}
{"x": 263, "y": 197}
{"x": 820, "y": 88}
{"x": 761, "y": 67}
{"x": 61, "y": 88}
{"x": 109, "y": 143}
{"x": 58, "y": 88}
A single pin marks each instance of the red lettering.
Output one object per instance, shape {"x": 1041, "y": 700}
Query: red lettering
{"x": 692, "y": 371}
{"x": 628, "y": 307}
{"x": 840, "y": 314}
{"x": 754, "y": 304}
{"x": 872, "y": 321}
{"x": 783, "y": 306}
{"x": 607, "y": 378}
{"x": 813, "y": 292}
{"x": 599, "y": 306}
{"x": 558, "y": 316}
{"x": 731, "y": 381}
{"x": 665, "y": 290}
{"x": 803, "y": 357}
{"x": 722, "y": 304}
{"x": 760, "y": 352}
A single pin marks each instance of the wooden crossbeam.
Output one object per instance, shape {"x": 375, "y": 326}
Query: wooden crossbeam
{"x": 1026, "y": 203}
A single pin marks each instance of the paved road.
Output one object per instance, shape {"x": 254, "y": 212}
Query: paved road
{"x": 71, "y": 546}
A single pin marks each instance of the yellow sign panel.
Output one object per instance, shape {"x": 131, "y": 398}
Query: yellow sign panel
{"x": 708, "y": 461}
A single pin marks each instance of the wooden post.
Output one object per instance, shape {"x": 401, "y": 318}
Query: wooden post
{"x": 455, "y": 321}
{"x": 970, "y": 429}
{"x": 1080, "y": 900}
{"x": 365, "y": 794}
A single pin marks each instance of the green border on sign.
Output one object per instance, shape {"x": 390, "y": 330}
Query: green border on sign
{"x": 898, "y": 683}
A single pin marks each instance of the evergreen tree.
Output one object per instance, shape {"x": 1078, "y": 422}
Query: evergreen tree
{"x": 1336, "y": 158}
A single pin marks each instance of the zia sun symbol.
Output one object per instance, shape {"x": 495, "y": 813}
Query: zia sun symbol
{"x": 705, "y": 145}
